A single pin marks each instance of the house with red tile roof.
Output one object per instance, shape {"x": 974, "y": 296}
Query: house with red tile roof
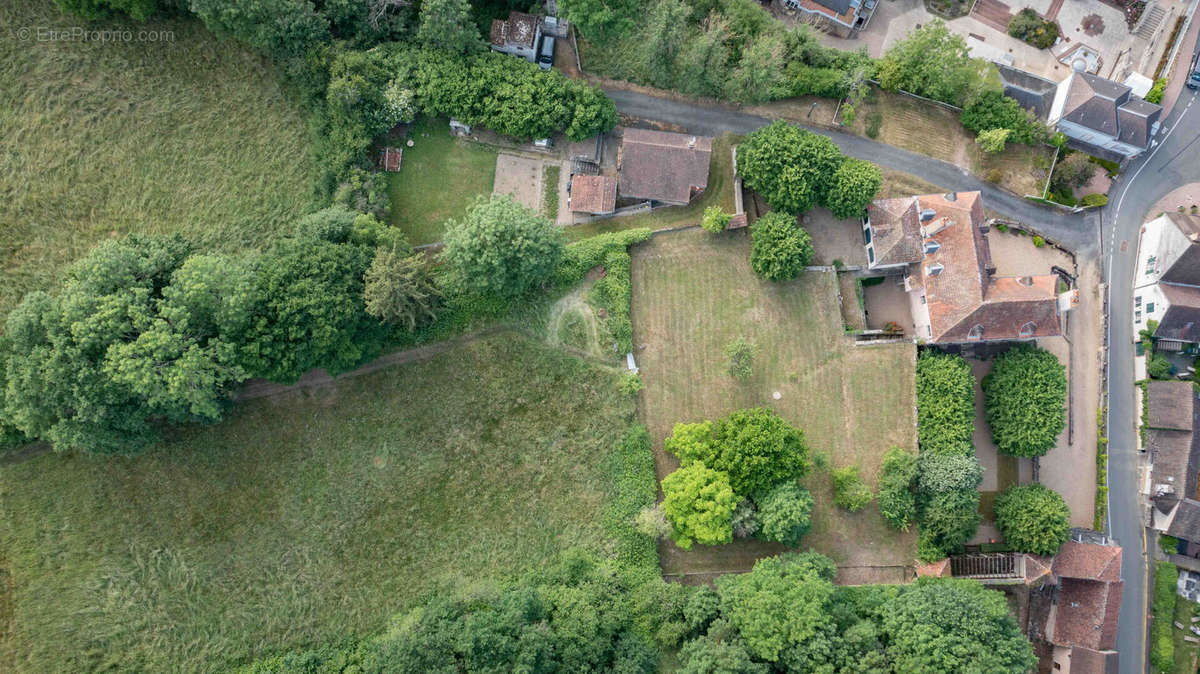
{"x": 1073, "y": 621}
{"x": 596, "y": 195}
{"x": 940, "y": 242}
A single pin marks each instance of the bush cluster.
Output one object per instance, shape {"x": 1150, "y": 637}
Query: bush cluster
{"x": 748, "y": 463}
{"x": 1024, "y": 401}
{"x": 947, "y": 470}
{"x": 1033, "y": 518}
{"x": 1030, "y": 27}
{"x": 897, "y": 480}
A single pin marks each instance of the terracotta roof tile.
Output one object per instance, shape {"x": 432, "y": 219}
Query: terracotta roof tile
{"x": 895, "y": 230}
{"x": 1088, "y": 561}
{"x": 1086, "y": 614}
{"x": 938, "y": 569}
{"x": 593, "y": 194}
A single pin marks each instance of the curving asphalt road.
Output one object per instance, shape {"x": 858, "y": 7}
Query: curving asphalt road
{"x": 1110, "y": 234}
{"x": 1077, "y": 232}
{"x": 1174, "y": 162}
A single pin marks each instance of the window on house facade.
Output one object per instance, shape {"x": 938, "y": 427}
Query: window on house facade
{"x": 1137, "y": 301}
{"x": 867, "y": 235}
{"x": 1149, "y": 307}
{"x": 976, "y": 332}
{"x": 1028, "y": 329}
{"x": 870, "y": 255}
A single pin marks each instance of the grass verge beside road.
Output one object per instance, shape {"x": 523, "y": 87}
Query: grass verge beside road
{"x": 441, "y": 176}
{"x": 694, "y": 292}
{"x": 311, "y": 516}
{"x": 193, "y": 135}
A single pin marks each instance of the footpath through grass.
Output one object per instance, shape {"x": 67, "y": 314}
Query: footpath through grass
{"x": 440, "y": 177}
{"x": 191, "y": 134}
{"x": 308, "y": 517}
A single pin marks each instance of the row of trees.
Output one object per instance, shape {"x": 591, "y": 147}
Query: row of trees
{"x": 738, "y": 474}
{"x": 785, "y": 615}
{"x": 147, "y": 329}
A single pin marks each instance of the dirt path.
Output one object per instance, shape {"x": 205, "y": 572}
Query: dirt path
{"x": 261, "y": 388}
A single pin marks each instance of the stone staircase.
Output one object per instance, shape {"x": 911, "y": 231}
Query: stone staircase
{"x": 1151, "y": 18}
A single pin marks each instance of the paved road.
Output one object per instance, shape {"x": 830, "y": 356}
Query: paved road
{"x": 1073, "y": 231}
{"x": 1173, "y": 163}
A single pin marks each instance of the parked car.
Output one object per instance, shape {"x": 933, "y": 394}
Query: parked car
{"x": 546, "y": 53}
{"x": 1193, "y": 80}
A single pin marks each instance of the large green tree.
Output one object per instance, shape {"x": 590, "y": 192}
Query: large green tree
{"x": 139, "y": 331}
{"x": 759, "y": 450}
{"x": 935, "y": 63}
{"x": 501, "y": 249}
{"x": 400, "y": 290}
{"x": 780, "y": 249}
{"x": 954, "y": 625}
{"x": 854, "y": 186}
{"x": 790, "y": 167}
{"x": 781, "y": 610}
{"x": 447, "y": 24}
{"x": 1033, "y": 518}
{"x": 785, "y": 514}
{"x": 1024, "y": 401}
{"x": 698, "y": 502}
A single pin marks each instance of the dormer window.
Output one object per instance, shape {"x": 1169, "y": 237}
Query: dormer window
{"x": 1028, "y": 329}
{"x": 932, "y": 247}
{"x": 934, "y": 269}
{"x": 976, "y": 332}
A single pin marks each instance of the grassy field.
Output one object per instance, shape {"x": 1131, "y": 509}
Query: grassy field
{"x": 189, "y": 135}
{"x": 1185, "y": 652}
{"x": 935, "y": 131}
{"x": 719, "y": 192}
{"x": 308, "y": 516}
{"x": 694, "y": 292}
{"x": 441, "y": 176}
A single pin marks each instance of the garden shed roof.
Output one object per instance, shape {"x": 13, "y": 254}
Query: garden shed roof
{"x": 593, "y": 194}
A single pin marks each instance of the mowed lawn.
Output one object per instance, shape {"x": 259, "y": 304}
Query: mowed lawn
{"x": 440, "y": 177}
{"x": 307, "y": 517}
{"x": 192, "y": 134}
{"x": 693, "y": 292}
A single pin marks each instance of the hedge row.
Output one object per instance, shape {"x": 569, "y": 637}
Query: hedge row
{"x": 1162, "y": 641}
{"x": 632, "y": 488}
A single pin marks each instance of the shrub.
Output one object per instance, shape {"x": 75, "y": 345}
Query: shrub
{"x": 1158, "y": 367}
{"x": 715, "y": 220}
{"x": 946, "y": 521}
{"x": 1038, "y": 242}
{"x": 897, "y": 476}
{"x": 364, "y": 192}
{"x": 849, "y": 490}
{"x": 630, "y": 383}
{"x": 741, "y": 358}
{"x": 945, "y": 404}
{"x": 995, "y": 175}
{"x": 1024, "y": 399}
{"x": 785, "y": 513}
{"x": 780, "y": 248}
{"x": 938, "y": 473}
{"x": 1094, "y": 200}
{"x": 993, "y": 110}
{"x": 1033, "y": 519}
{"x": 992, "y": 141}
{"x": 652, "y": 521}
{"x": 698, "y": 503}
{"x": 874, "y": 122}
{"x": 1162, "y": 649}
{"x": 1155, "y": 95}
{"x": 501, "y": 249}
{"x": 1028, "y": 26}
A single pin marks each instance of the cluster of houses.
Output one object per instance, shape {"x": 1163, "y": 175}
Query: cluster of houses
{"x": 939, "y": 243}
{"x": 1067, "y": 604}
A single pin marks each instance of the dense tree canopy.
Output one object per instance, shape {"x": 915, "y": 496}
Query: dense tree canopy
{"x": 933, "y": 62}
{"x": 785, "y": 514}
{"x": 897, "y": 478}
{"x": 790, "y": 167}
{"x": 1033, "y": 518}
{"x": 780, "y": 249}
{"x": 947, "y": 520}
{"x": 1024, "y": 401}
{"x": 755, "y": 447}
{"x": 993, "y": 110}
{"x": 400, "y": 290}
{"x": 502, "y": 249}
{"x": 945, "y": 404}
{"x": 446, "y": 24}
{"x": 954, "y": 625}
{"x": 853, "y": 188}
{"x": 698, "y": 503}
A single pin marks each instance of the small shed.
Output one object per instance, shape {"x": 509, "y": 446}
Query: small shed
{"x": 390, "y": 158}
{"x": 593, "y": 194}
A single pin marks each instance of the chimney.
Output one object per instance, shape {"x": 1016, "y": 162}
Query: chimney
{"x": 927, "y": 214}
